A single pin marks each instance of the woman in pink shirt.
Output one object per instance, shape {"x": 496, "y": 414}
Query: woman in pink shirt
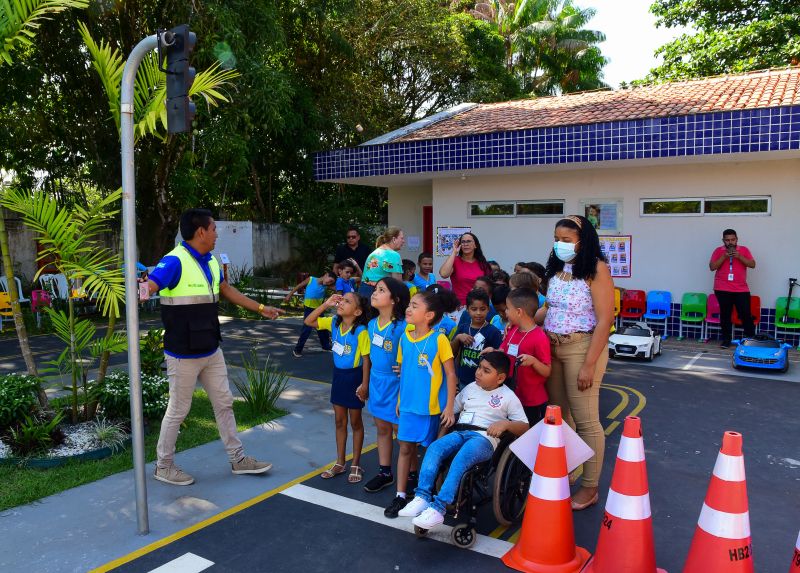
{"x": 465, "y": 264}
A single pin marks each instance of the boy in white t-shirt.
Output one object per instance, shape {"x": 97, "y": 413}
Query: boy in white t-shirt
{"x": 487, "y": 408}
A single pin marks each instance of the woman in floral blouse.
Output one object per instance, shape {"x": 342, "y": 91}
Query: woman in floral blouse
{"x": 577, "y": 318}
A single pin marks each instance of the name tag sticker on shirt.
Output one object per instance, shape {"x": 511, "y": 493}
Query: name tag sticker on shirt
{"x": 377, "y": 339}
{"x": 478, "y": 340}
{"x": 466, "y": 417}
{"x": 338, "y": 348}
{"x": 513, "y": 349}
{"x": 730, "y": 276}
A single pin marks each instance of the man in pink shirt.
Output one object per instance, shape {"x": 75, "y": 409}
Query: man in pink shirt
{"x": 730, "y": 263}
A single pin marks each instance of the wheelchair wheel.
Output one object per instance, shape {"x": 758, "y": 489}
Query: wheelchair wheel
{"x": 419, "y": 532}
{"x": 463, "y": 536}
{"x": 512, "y": 479}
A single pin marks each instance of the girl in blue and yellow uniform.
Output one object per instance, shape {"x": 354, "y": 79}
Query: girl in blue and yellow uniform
{"x": 426, "y": 361}
{"x": 351, "y": 366}
{"x": 390, "y": 300}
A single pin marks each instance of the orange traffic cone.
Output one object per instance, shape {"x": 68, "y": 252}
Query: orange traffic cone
{"x": 626, "y": 542}
{"x": 795, "y": 566}
{"x": 721, "y": 542}
{"x": 547, "y": 540}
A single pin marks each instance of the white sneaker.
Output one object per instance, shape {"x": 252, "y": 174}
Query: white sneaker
{"x": 428, "y": 519}
{"x": 414, "y": 507}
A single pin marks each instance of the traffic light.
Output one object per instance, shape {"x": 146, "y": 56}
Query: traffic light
{"x": 179, "y": 43}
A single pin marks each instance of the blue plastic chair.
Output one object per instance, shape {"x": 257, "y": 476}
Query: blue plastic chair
{"x": 659, "y": 307}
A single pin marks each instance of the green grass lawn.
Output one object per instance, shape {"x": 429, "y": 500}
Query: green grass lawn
{"x": 22, "y": 485}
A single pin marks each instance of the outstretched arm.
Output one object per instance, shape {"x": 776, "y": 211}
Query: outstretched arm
{"x": 233, "y": 295}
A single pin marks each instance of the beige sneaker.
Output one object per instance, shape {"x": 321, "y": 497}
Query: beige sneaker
{"x": 173, "y": 475}
{"x": 248, "y": 465}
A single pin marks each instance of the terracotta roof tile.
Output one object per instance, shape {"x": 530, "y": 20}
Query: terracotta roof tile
{"x": 771, "y": 88}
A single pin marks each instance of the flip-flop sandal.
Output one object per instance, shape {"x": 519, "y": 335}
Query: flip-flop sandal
{"x": 356, "y": 474}
{"x": 333, "y": 471}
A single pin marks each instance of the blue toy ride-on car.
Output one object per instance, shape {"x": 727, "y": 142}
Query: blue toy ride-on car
{"x": 763, "y": 352}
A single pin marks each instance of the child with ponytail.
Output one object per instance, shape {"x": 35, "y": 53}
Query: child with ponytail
{"x": 427, "y": 385}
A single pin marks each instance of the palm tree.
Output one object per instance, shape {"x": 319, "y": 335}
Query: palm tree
{"x": 19, "y": 20}
{"x": 150, "y": 113}
{"x": 547, "y": 45}
{"x": 70, "y": 239}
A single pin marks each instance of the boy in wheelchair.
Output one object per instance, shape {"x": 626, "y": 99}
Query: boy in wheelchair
{"x": 486, "y": 410}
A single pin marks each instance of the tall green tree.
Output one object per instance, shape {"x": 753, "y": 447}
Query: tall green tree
{"x": 19, "y": 20}
{"x": 547, "y": 44}
{"x": 729, "y": 37}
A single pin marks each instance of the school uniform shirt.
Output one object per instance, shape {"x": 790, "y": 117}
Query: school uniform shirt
{"x": 530, "y": 385}
{"x": 446, "y": 326}
{"x": 469, "y": 356}
{"x": 385, "y": 343}
{"x": 344, "y": 286}
{"x": 349, "y": 346}
{"x": 412, "y": 289}
{"x": 498, "y": 322}
{"x": 422, "y": 372}
{"x": 315, "y": 293}
{"x": 422, "y": 283}
{"x": 480, "y": 407}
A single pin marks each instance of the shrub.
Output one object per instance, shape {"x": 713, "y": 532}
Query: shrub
{"x": 114, "y": 395}
{"x": 34, "y": 436}
{"x": 109, "y": 434}
{"x": 18, "y": 399}
{"x": 152, "y": 351}
{"x": 263, "y": 386}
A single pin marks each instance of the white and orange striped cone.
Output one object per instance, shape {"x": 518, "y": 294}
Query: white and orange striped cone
{"x": 547, "y": 539}
{"x": 795, "y": 566}
{"x": 721, "y": 542}
{"x": 626, "y": 541}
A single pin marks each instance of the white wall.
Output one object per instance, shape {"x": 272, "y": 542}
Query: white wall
{"x": 405, "y": 211}
{"x": 669, "y": 253}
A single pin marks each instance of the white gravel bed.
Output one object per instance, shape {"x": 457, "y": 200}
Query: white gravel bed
{"x": 79, "y": 438}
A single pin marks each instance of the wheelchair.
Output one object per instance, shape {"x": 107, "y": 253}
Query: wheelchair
{"x": 502, "y": 481}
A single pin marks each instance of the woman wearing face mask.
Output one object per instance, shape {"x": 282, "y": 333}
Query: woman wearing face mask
{"x": 577, "y": 318}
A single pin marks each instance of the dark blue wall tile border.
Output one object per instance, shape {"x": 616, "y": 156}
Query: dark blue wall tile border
{"x": 717, "y": 133}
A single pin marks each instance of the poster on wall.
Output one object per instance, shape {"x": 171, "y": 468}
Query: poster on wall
{"x": 604, "y": 214}
{"x": 446, "y": 236}
{"x": 617, "y": 250}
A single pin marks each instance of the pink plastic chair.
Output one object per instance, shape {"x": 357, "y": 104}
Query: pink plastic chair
{"x": 39, "y": 300}
{"x": 712, "y": 314}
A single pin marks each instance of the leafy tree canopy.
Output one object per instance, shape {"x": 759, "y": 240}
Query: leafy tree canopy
{"x": 732, "y": 36}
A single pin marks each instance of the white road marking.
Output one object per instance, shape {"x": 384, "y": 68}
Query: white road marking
{"x": 485, "y": 544}
{"x": 691, "y": 362}
{"x": 187, "y": 563}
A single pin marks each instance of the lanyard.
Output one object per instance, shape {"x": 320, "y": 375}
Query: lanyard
{"x": 516, "y": 330}
{"x": 424, "y": 346}
{"x": 730, "y": 264}
{"x": 479, "y": 330}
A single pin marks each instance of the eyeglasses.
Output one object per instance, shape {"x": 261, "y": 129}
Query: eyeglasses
{"x": 352, "y": 236}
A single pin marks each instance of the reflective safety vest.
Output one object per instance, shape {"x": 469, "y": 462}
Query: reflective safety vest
{"x": 190, "y": 311}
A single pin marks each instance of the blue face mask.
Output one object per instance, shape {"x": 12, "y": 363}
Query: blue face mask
{"x": 564, "y": 251}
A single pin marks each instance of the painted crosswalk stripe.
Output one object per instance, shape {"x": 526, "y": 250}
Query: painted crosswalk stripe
{"x": 485, "y": 544}
{"x": 186, "y": 563}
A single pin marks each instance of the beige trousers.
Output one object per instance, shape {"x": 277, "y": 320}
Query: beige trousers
{"x": 183, "y": 374}
{"x": 580, "y": 409}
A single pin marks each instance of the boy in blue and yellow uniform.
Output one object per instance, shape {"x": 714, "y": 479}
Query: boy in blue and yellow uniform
{"x": 314, "y": 297}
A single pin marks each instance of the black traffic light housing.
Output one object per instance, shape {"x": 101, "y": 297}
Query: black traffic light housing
{"x": 179, "y": 43}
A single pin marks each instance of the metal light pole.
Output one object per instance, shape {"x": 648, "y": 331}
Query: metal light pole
{"x": 131, "y": 288}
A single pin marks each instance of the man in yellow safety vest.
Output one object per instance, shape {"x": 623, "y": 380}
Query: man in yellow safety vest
{"x": 190, "y": 282}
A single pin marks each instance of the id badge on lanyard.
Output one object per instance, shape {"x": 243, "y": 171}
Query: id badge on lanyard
{"x": 730, "y": 269}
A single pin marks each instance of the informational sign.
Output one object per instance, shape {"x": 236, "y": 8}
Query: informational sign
{"x": 446, "y": 236}
{"x": 617, "y": 250}
{"x": 605, "y": 215}
{"x": 413, "y": 242}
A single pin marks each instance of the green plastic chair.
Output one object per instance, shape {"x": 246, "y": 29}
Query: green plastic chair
{"x": 693, "y": 311}
{"x": 792, "y": 323}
